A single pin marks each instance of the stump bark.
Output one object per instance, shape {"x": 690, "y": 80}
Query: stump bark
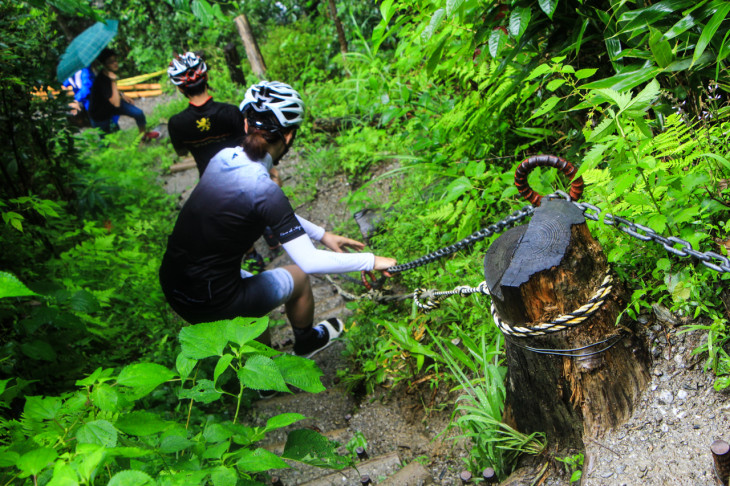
{"x": 535, "y": 273}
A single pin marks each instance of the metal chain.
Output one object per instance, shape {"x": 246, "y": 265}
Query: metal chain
{"x": 644, "y": 233}
{"x": 497, "y": 227}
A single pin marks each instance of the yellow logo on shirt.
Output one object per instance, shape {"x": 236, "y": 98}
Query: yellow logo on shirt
{"x": 203, "y": 124}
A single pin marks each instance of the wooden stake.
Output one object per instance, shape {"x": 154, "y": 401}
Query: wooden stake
{"x": 252, "y": 49}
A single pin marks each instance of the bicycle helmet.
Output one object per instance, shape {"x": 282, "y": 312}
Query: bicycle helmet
{"x": 272, "y": 105}
{"x": 187, "y": 70}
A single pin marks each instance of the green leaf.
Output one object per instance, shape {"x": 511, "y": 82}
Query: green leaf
{"x": 456, "y": 188}
{"x": 452, "y": 5}
{"x": 203, "y": 340}
{"x": 436, "y": 18}
{"x": 709, "y": 30}
{"x": 548, "y": 6}
{"x": 216, "y": 451}
{"x": 224, "y": 476}
{"x": 645, "y": 98}
{"x": 387, "y": 10}
{"x": 555, "y": 84}
{"x": 300, "y": 372}
{"x": 585, "y": 73}
{"x": 171, "y": 444}
{"x": 261, "y": 373}
{"x": 244, "y": 330}
{"x": 204, "y": 392}
{"x": 660, "y": 48}
{"x": 216, "y": 433}
{"x": 63, "y": 475}
{"x": 497, "y": 41}
{"x": 10, "y": 286}
{"x": 39, "y": 350}
{"x": 100, "y": 432}
{"x": 221, "y": 366}
{"x": 144, "y": 377}
{"x": 626, "y": 79}
{"x": 260, "y": 460}
{"x": 131, "y": 478}
{"x": 84, "y": 301}
{"x": 310, "y": 447}
{"x": 105, "y": 397}
{"x": 658, "y": 223}
{"x": 39, "y": 408}
{"x": 141, "y": 423}
{"x": 184, "y": 366}
{"x": 605, "y": 128}
{"x": 519, "y": 19}
{"x": 546, "y": 106}
{"x": 282, "y": 420}
{"x": 8, "y": 458}
{"x": 33, "y": 462}
{"x": 539, "y": 71}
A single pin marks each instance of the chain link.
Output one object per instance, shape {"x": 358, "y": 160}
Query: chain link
{"x": 490, "y": 230}
{"x": 710, "y": 259}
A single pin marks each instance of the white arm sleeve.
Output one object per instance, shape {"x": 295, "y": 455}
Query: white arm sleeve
{"x": 312, "y": 260}
{"x": 315, "y": 232}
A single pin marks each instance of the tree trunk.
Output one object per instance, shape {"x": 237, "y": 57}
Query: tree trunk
{"x": 536, "y": 273}
{"x": 338, "y": 25}
{"x": 252, "y": 49}
{"x": 233, "y": 61}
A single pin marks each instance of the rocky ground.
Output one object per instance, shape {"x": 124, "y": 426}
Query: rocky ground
{"x": 665, "y": 442}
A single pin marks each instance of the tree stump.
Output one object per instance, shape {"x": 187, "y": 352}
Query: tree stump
{"x": 540, "y": 271}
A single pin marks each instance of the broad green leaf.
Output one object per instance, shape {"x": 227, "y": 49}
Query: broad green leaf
{"x": 144, "y": 377}
{"x": 605, "y": 128}
{"x": 722, "y": 160}
{"x": 244, "y": 330}
{"x": 709, "y": 30}
{"x": 216, "y": 451}
{"x": 203, "y": 340}
{"x": 99, "y": 375}
{"x": 626, "y": 79}
{"x": 643, "y": 127}
{"x": 548, "y": 6}
{"x": 84, "y": 301}
{"x": 300, "y": 372}
{"x": 141, "y": 423}
{"x": 538, "y": 71}
{"x": 105, "y": 397}
{"x": 203, "y": 391}
{"x": 658, "y": 223}
{"x": 10, "y": 286}
{"x": 92, "y": 456}
{"x": 623, "y": 182}
{"x": 184, "y": 366}
{"x": 39, "y": 350}
{"x": 63, "y": 475}
{"x": 129, "y": 452}
{"x": 555, "y": 84}
{"x": 33, "y": 462}
{"x": 8, "y": 458}
{"x": 546, "y": 106}
{"x": 39, "y": 408}
{"x": 221, "y": 366}
{"x": 261, "y": 373}
{"x": 456, "y": 188}
{"x": 260, "y": 460}
{"x": 282, "y": 420}
{"x": 452, "y": 5}
{"x": 224, "y": 476}
{"x": 310, "y": 447}
{"x": 660, "y": 48}
{"x": 519, "y": 19}
{"x": 131, "y": 478}
{"x": 174, "y": 443}
{"x": 585, "y": 73}
{"x": 387, "y": 10}
{"x": 100, "y": 432}
{"x": 497, "y": 41}
{"x": 436, "y": 18}
{"x": 645, "y": 98}
{"x": 216, "y": 433}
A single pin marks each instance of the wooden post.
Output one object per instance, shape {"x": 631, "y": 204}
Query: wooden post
{"x": 535, "y": 273}
{"x": 252, "y": 49}
{"x": 338, "y": 26}
{"x": 233, "y": 60}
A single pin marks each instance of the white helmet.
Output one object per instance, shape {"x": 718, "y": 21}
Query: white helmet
{"x": 276, "y": 98}
{"x": 187, "y": 70}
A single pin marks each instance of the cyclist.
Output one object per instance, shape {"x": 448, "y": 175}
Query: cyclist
{"x": 205, "y": 127}
{"x": 228, "y": 210}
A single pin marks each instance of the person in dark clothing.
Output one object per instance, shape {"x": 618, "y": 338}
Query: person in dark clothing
{"x": 228, "y": 210}
{"x": 106, "y": 101}
{"x": 205, "y": 127}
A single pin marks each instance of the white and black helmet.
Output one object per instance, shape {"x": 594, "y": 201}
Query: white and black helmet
{"x": 187, "y": 70}
{"x": 273, "y": 98}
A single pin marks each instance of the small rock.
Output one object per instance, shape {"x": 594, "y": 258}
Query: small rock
{"x": 607, "y": 474}
{"x": 682, "y": 395}
{"x": 658, "y": 372}
{"x": 666, "y": 397}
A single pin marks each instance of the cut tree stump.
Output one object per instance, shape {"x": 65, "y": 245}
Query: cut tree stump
{"x": 535, "y": 273}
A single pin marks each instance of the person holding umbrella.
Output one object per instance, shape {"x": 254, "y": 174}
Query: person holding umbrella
{"x": 106, "y": 100}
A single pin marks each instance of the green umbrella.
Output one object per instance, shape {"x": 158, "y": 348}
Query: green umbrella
{"x": 85, "y": 48}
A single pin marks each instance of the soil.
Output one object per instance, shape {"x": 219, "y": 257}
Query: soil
{"x": 665, "y": 442}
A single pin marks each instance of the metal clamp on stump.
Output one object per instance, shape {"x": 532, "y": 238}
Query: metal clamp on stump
{"x": 527, "y": 165}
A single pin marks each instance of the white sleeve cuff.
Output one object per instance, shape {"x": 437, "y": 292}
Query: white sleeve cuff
{"x": 311, "y": 260}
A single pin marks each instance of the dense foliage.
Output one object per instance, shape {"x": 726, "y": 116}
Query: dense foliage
{"x": 444, "y": 98}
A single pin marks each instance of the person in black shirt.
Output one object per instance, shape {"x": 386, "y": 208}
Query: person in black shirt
{"x": 228, "y": 210}
{"x": 106, "y": 101}
{"x": 205, "y": 127}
